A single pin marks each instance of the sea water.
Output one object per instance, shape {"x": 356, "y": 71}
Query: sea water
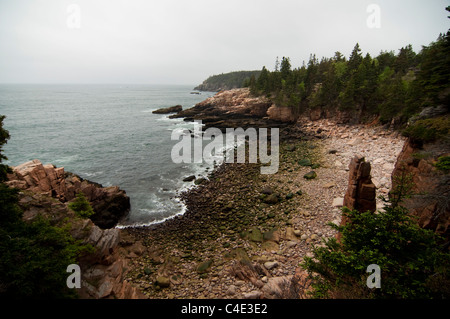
{"x": 106, "y": 134}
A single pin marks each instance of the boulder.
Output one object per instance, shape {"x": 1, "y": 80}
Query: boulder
{"x": 271, "y": 199}
{"x": 272, "y": 235}
{"x": 276, "y": 287}
{"x": 338, "y": 202}
{"x": 255, "y": 235}
{"x": 204, "y": 266}
{"x": 267, "y": 190}
{"x": 431, "y": 202}
{"x": 189, "y": 178}
{"x": 310, "y": 175}
{"x": 282, "y": 114}
{"x": 200, "y": 180}
{"x": 270, "y": 265}
{"x": 162, "y": 281}
{"x": 305, "y": 162}
{"x": 252, "y": 295}
{"x": 290, "y": 234}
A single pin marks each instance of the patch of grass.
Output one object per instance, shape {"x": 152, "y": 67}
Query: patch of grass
{"x": 421, "y": 155}
{"x": 443, "y": 164}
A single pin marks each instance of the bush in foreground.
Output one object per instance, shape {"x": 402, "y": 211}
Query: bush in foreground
{"x": 412, "y": 261}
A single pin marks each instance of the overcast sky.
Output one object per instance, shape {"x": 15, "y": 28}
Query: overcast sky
{"x": 185, "y": 41}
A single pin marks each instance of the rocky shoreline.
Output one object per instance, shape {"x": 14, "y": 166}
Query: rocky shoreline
{"x": 46, "y": 190}
{"x": 237, "y": 108}
{"x": 244, "y": 234}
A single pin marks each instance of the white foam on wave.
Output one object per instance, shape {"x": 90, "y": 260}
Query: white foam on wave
{"x": 67, "y": 159}
{"x": 148, "y": 212}
{"x": 164, "y": 118}
{"x": 161, "y": 207}
{"x": 89, "y": 175}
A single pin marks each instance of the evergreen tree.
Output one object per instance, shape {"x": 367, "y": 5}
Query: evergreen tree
{"x": 4, "y": 137}
{"x": 339, "y": 57}
{"x": 405, "y": 59}
{"x": 434, "y": 75}
{"x": 385, "y": 59}
{"x": 262, "y": 84}
{"x": 354, "y": 60}
{"x": 285, "y": 68}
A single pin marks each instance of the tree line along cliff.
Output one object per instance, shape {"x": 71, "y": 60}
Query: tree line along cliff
{"x": 389, "y": 87}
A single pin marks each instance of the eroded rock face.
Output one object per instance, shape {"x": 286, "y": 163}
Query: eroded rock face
{"x": 39, "y": 178}
{"x": 282, "y": 113}
{"x": 102, "y": 270}
{"x": 237, "y": 108}
{"x": 109, "y": 203}
{"x": 430, "y": 201}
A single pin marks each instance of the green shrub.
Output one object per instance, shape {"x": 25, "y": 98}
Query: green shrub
{"x": 410, "y": 258}
{"x": 428, "y": 130}
{"x": 34, "y": 259}
{"x": 443, "y": 163}
{"x": 81, "y": 206}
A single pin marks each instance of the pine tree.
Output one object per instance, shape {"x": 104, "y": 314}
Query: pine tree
{"x": 4, "y": 137}
{"x": 285, "y": 68}
{"x": 262, "y": 84}
{"x": 405, "y": 59}
{"x": 354, "y": 60}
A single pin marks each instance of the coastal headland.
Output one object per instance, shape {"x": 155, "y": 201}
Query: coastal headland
{"x": 244, "y": 233}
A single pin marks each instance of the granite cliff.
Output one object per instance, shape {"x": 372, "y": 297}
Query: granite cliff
{"x": 237, "y": 108}
{"x": 46, "y": 190}
{"x": 430, "y": 187}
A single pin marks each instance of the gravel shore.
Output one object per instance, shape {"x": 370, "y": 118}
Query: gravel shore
{"x": 244, "y": 234}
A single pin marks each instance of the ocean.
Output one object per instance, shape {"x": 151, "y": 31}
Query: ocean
{"x": 106, "y": 134}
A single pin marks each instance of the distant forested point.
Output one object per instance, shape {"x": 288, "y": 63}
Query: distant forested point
{"x": 227, "y": 81}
